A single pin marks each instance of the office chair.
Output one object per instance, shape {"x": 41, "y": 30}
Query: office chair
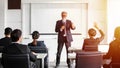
{"x": 16, "y": 61}
{"x": 1, "y": 48}
{"x": 88, "y": 60}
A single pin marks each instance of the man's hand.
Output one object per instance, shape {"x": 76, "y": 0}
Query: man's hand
{"x": 62, "y": 28}
{"x": 96, "y": 26}
{"x": 73, "y": 26}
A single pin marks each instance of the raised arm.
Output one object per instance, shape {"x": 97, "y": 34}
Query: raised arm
{"x": 101, "y": 32}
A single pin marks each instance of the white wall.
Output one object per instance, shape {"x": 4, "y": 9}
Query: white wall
{"x": 9, "y": 18}
{"x": 13, "y": 19}
{"x": 2, "y": 16}
{"x": 113, "y": 17}
{"x": 97, "y": 12}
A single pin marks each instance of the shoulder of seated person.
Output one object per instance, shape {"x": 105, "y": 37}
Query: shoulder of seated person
{"x": 29, "y": 44}
{"x": 22, "y": 44}
{"x": 40, "y": 42}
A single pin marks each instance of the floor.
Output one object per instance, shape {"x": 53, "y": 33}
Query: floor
{"x": 62, "y": 65}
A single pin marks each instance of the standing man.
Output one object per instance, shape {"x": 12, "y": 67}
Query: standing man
{"x": 64, "y": 36}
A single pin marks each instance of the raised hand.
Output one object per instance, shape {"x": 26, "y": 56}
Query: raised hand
{"x": 96, "y": 26}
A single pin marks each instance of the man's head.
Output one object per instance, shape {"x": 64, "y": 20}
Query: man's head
{"x": 7, "y": 31}
{"x": 117, "y": 32}
{"x": 35, "y": 35}
{"x": 64, "y": 15}
{"x": 92, "y": 32}
{"x": 16, "y": 35}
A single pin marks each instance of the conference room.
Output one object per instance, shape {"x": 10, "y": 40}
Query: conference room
{"x": 44, "y": 15}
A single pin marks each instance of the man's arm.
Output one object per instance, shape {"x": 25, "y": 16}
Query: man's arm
{"x": 57, "y": 27}
{"x": 102, "y": 35}
{"x": 109, "y": 53}
{"x": 72, "y": 26}
{"x": 33, "y": 57}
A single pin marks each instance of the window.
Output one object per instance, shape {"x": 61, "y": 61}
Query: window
{"x": 14, "y": 4}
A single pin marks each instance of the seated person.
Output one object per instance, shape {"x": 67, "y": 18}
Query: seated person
{"x": 114, "y": 50}
{"x": 6, "y": 40}
{"x": 35, "y": 42}
{"x": 17, "y": 48}
{"x": 92, "y": 41}
{"x": 38, "y": 46}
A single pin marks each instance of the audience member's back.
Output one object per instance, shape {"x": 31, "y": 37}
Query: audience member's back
{"x": 39, "y": 43}
{"x": 115, "y": 48}
{"x": 16, "y": 48}
{"x": 38, "y": 47}
{"x": 91, "y": 44}
{"x": 6, "y": 40}
{"x": 92, "y": 41}
{"x": 114, "y": 51}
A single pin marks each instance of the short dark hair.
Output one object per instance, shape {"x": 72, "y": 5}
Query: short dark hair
{"x": 35, "y": 35}
{"x": 92, "y": 32}
{"x": 15, "y": 35}
{"x": 8, "y": 31}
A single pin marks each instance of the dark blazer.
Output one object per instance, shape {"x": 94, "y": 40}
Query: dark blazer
{"x": 113, "y": 52}
{"x": 59, "y": 24}
{"x": 5, "y": 41}
{"x": 16, "y": 48}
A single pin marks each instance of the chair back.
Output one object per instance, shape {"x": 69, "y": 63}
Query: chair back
{"x": 88, "y": 60}
{"x": 16, "y": 61}
{"x": 1, "y": 48}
